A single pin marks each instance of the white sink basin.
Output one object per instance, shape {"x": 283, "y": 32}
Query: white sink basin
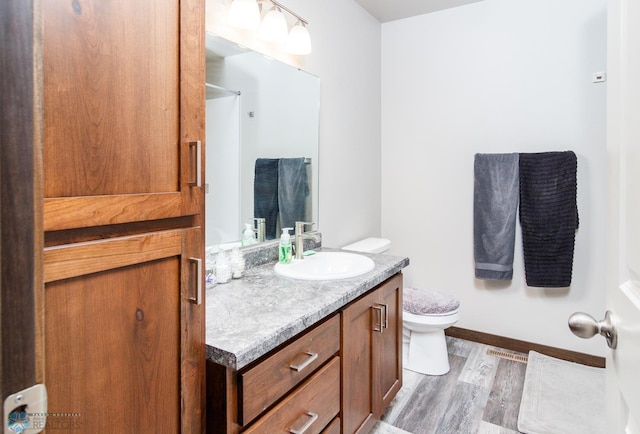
{"x": 326, "y": 266}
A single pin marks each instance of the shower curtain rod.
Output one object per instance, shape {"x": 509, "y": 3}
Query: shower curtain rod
{"x": 215, "y": 86}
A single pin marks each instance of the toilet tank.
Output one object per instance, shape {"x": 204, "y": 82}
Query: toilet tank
{"x": 369, "y": 245}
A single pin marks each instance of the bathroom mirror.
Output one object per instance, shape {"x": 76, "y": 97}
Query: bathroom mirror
{"x": 256, "y": 108}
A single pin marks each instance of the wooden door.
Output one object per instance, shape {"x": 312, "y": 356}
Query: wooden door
{"x": 123, "y": 120}
{"x": 114, "y": 347}
{"x": 20, "y": 222}
{"x": 387, "y": 349}
{"x": 623, "y": 286}
{"x": 357, "y": 366}
{"x": 123, "y": 111}
{"x": 371, "y": 355}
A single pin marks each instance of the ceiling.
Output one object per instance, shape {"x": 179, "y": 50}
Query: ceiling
{"x": 391, "y": 10}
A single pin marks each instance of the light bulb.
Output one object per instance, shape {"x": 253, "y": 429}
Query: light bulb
{"x": 244, "y": 14}
{"x": 299, "y": 41}
{"x": 274, "y": 26}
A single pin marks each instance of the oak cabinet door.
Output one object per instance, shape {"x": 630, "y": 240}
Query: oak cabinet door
{"x": 387, "y": 351}
{"x": 123, "y": 111}
{"x": 357, "y": 366}
{"x": 118, "y": 357}
{"x": 371, "y": 355}
{"x": 122, "y": 128}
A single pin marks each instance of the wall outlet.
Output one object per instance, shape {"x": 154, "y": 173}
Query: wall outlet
{"x": 598, "y": 77}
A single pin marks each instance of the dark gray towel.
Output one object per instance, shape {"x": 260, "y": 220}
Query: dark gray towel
{"x": 495, "y": 210}
{"x": 548, "y": 217}
{"x": 265, "y": 194}
{"x": 293, "y": 188}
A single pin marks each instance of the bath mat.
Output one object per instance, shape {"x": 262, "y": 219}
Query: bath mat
{"x": 561, "y": 397}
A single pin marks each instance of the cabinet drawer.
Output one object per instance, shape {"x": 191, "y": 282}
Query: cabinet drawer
{"x": 309, "y": 408}
{"x": 265, "y": 383}
{"x": 333, "y": 428}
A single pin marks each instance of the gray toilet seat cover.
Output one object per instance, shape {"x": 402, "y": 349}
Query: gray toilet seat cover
{"x": 428, "y": 302}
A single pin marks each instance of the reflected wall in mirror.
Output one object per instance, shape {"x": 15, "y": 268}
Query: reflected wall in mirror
{"x": 257, "y": 108}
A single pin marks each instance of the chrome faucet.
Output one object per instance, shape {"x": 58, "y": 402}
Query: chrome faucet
{"x": 299, "y": 238}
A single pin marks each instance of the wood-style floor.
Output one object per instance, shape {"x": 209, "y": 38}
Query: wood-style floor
{"x": 480, "y": 394}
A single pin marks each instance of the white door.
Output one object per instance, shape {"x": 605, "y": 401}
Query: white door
{"x": 623, "y": 143}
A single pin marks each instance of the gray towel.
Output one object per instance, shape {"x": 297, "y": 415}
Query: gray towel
{"x": 495, "y": 205}
{"x": 293, "y": 188}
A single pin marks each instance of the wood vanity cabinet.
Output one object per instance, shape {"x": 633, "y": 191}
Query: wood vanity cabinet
{"x": 371, "y": 355}
{"x": 295, "y": 387}
{"x": 336, "y": 378}
{"x": 122, "y": 327}
{"x": 309, "y": 409}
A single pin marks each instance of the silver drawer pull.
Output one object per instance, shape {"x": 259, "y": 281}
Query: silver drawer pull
{"x": 386, "y": 316}
{"x": 306, "y": 363}
{"x": 198, "y": 298}
{"x": 197, "y": 164}
{"x": 303, "y": 428}
{"x": 378, "y": 327}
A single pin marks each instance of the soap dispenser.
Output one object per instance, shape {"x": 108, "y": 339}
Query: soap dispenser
{"x": 284, "y": 255}
{"x": 248, "y": 235}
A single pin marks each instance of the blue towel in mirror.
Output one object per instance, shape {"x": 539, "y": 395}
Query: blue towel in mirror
{"x": 265, "y": 194}
{"x": 495, "y": 210}
{"x": 293, "y": 189}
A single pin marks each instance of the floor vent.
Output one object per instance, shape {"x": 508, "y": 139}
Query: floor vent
{"x": 504, "y": 355}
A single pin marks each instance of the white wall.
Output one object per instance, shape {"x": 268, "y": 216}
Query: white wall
{"x": 494, "y": 76}
{"x": 347, "y": 59}
{"x": 346, "y": 56}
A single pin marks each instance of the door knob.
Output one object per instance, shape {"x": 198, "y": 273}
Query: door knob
{"x": 585, "y": 326}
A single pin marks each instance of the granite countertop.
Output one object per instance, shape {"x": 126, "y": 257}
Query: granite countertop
{"x": 248, "y": 317}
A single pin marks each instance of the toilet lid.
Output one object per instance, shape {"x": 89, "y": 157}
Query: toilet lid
{"x": 369, "y": 245}
{"x": 428, "y": 302}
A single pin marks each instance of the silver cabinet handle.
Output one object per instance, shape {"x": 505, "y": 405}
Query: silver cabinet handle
{"x": 303, "y": 428}
{"x": 386, "y": 316}
{"x": 198, "y": 297}
{"x": 197, "y": 161}
{"x": 306, "y": 363}
{"x": 585, "y": 326}
{"x": 379, "y": 325}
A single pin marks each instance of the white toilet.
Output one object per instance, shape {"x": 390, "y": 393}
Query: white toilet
{"x": 425, "y": 316}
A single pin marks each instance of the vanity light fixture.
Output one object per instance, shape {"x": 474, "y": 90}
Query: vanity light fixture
{"x": 245, "y": 14}
{"x": 299, "y": 41}
{"x": 274, "y": 26}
